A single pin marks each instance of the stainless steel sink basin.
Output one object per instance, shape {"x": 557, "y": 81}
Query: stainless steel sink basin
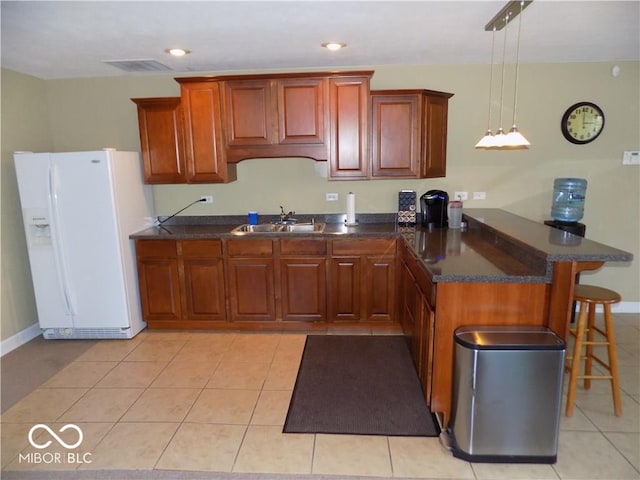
{"x": 247, "y": 229}
{"x": 305, "y": 228}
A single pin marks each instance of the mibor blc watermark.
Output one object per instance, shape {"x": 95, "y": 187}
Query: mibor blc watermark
{"x": 55, "y": 457}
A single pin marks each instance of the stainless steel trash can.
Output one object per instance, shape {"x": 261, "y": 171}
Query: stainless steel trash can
{"x": 507, "y": 394}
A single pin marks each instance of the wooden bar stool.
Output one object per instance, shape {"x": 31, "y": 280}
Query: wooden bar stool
{"x": 589, "y": 297}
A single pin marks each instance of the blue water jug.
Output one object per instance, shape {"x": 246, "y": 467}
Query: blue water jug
{"x": 568, "y": 199}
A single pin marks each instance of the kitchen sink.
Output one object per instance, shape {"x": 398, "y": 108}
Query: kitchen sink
{"x": 279, "y": 228}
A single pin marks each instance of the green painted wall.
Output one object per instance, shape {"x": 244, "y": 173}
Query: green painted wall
{"x": 86, "y": 114}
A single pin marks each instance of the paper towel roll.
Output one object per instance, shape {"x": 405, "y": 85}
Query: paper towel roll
{"x": 351, "y": 208}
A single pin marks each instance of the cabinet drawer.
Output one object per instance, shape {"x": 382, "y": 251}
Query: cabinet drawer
{"x": 421, "y": 276}
{"x": 303, "y": 246}
{"x": 250, "y": 248}
{"x": 364, "y": 246}
{"x": 156, "y": 248}
{"x": 201, "y": 248}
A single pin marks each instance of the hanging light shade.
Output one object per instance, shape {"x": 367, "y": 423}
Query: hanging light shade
{"x": 513, "y": 139}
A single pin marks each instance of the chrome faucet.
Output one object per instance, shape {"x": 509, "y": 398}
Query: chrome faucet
{"x": 286, "y": 217}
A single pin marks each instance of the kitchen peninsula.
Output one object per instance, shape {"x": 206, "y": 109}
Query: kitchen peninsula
{"x": 501, "y": 270}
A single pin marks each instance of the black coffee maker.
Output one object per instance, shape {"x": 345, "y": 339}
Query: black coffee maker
{"x": 433, "y": 206}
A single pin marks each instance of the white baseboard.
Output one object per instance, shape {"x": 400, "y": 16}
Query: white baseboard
{"x": 20, "y": 338}
{"x": 626, "y": 307}
{"x": 33, "y": 331}
{"x": 621, "y": 307}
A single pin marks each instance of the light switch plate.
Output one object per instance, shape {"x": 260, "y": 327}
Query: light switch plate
{"x": 631, "y": 158}
{"x": 479, "y": 195}
{"x": 331, "y": 197}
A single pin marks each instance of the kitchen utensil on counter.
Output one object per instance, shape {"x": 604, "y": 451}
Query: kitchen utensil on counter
{"x": 351, "y": 209}
{"x": 433, "y": 206}
{"x": 455, "y": 214}
{"x": 253, "y": 218}
{"x": 407, "y": 207}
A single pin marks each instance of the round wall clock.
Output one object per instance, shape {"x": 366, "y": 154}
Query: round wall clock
{"x": 582, "y": 122}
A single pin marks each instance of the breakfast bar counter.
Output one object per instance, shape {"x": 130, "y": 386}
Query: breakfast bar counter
{"x": 495, "y": 246}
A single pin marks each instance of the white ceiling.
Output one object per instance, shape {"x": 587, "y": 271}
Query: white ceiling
{"x": 61, "y": 39}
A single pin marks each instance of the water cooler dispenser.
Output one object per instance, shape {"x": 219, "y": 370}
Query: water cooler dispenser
{"x": 567, "y": 207}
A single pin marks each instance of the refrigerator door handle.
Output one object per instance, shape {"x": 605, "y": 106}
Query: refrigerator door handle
{"x": 58, "y": 246}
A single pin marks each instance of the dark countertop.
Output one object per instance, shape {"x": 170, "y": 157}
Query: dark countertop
{"x": 496, "y": 246}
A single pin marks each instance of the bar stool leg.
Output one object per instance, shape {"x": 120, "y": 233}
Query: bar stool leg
{"x": 575, "y": 361}
{"x": 589, "y": 350}
{"x": 613, "y": 360}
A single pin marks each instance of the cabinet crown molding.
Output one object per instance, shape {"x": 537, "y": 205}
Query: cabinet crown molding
{"x": 275, "y": 76}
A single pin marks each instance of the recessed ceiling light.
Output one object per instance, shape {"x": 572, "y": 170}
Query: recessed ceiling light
{"x": 334, "y": 46}
{"x": 177, "y": 52}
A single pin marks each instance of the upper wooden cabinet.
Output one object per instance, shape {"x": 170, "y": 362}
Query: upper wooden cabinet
{"x": 205, "y": 153}
{"x": 349, "y": 114}
{"x": 328, "y": 116}
{"x": 409, "y": 133}
{"x": 161, "y": 126}
{"x": 275, "y": 117}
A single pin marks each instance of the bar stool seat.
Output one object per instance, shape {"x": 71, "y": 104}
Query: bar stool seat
{"x": 589, "y": 296}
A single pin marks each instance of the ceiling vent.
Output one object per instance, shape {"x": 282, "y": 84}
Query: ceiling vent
{"x": 138, "y": 66}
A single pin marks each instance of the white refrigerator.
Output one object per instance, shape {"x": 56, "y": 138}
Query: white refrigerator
{"x": 79, "y": 209}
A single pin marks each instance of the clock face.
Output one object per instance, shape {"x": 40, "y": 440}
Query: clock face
{"x": 582, "y": 122}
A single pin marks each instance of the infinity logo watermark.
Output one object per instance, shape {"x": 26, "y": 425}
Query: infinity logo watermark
{"x": 53, "y": 434}
{"x": 55, "y": 457}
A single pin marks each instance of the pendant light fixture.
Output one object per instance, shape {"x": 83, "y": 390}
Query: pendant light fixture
{"x": 487, "y": 141}
{"x": 514, "y": 139}
{"x": 500, "y": 138}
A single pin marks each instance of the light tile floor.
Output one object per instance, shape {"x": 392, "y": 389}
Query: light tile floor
{"x": 217, "y": 402}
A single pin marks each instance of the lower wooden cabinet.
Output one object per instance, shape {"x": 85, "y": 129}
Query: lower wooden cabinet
{"x": 202, "y": 271}
{"x": 303, "y": 286}
{"x": 345, "y": 297}
{"x": 251, "y": 289}
{"x": 266, "y": 282}
{"x": 159, "y": 280}
{"x": 251, "y": 280}
{"x": 417, "y": 318}
{"x": 181, "y": 283}
{"x": 363, "y": 280}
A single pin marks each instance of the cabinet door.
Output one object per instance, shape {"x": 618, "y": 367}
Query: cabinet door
{"x": 250, "y": 112}
{"x": 409, "y": 302}
{"x": 349, "y": 127}
{"x": 379, "y": 288}
{"x": 301, "y": 111}
{"x": 425, "y": 346}
{"x": 159, "y": 280}
{"x": 395, "y": 149}
{"x": 161, "y": 127}
{"x": 345, "y": 289}
{"x": 251, "y": 289}
{"x": 435, "y": 141}
{"x": 303, "y": 288}
{"x": 206, "y": 162}
{"x": 202, "y": 269}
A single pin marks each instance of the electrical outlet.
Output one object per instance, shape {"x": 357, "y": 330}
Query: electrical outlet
{"x": 479, "y": 195}
{"x": 460, "y": 196}
{"x": 206, "y": 199}
{"x": 331, "y": 197}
